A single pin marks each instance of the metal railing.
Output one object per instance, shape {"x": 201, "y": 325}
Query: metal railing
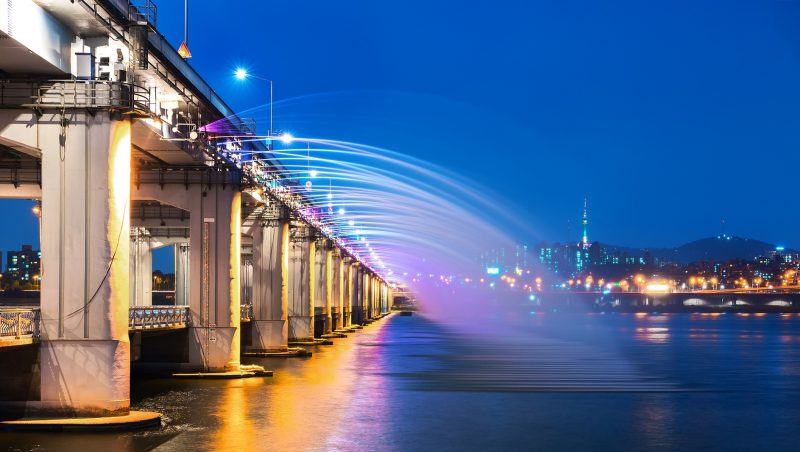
{"x": 19, "y": 322}
{"x": 246, "y": 312}
{"x": 142, "y": 12}
{"x": 101, "y": 94}
{"x": 155, "y": 317}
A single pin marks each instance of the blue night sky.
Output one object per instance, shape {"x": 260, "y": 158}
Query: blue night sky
{"x": 670, "y": 116}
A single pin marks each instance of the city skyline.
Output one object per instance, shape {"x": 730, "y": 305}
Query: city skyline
{"x": 25, "y": 231}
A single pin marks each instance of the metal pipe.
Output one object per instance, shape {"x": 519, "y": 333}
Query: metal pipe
{"x": 186, "y": 22}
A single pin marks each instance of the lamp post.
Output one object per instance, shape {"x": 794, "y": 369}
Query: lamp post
{"x": 37, "y": 211}
{"x": 242, "y": 74}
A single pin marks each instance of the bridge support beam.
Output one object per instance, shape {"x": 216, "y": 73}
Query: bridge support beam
{"x": 336, "y": 289}
{"x": 386, "y": 298}
{"x": 356, "y": 283}
{"x": 181, "y": 252}
{"x": 347, "y": 289}
{"x": 85, "y": 351}
{"x": 374, "y": 307}
{"x": 141, "y": 271}
{"x": 270, "y": 329}
{"x": 215, "y": 251}
{"x": 373, "y": 299}
{"x": 322, "y": 292}
{"x": 302, "y": 284}
{"x": 365, "y": 296}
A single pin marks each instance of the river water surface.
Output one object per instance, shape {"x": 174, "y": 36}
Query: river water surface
{"x": 559, "y": 382}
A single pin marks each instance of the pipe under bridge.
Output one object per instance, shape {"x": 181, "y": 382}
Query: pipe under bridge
{"x": 102, "y": 121}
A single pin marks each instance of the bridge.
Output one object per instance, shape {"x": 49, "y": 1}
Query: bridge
{"x": 103, "y": 121}
{"x": 738, "y": 301}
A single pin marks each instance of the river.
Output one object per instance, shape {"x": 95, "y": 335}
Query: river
{"x": 564, "y": 381}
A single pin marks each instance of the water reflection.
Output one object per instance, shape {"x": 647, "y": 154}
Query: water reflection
{"x": 236, "y": 430}
{"x": 656, "y": 335}
{"x": 570, "y": 382}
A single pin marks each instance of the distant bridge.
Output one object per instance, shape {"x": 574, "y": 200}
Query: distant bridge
{"x": 733, "y": 301}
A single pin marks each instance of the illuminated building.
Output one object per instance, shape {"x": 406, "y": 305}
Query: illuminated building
{"x": 22, "y": 265}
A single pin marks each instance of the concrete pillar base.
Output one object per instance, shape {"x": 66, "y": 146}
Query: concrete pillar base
{"x": 132, "y": 421}
{"x": 268, "y": 335}
{"x": 301, "y": 328}
{"x": 335, "y": 335}
{"x": 328, "y": 324}
{"x": 84, "y": 378}
{"x": 211, "y": 349}
{"x": 229, "y": 375}
{"x": 311, "y": 341}
{"x": 289, "y": 352}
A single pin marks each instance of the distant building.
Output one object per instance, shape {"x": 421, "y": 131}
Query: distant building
{"x": 22, "y": 265}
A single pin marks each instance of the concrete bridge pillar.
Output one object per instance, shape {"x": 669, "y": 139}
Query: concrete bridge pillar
{"x": 365, "y": 296}
{"x": 382, "y": 295}
{"x": 373, "y": 302}
{"x": 337, "y": 291}
{"x": 385, "y": 298}
{"x": 85, "y": 352}
{"x": 378, "y": 297}
{"x": 357, "y": 279}
{"x": 386, "y": 292}
{"x": 322, "y": 292}
{"x": 181, "y": 252}
{"x": 347, "y": 290}
{"x": 373, "y": 298}
{"x": 141, "y": 270}
{"x": 270, "y": 329}
{"x": 246, "y": 275}
{"x": 302, "y": 284}
{"x": 215, "y": 263}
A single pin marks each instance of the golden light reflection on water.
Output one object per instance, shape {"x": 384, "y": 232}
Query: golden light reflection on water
{"x": 655, "y": 332}
{"x": 652, "y": 334}
{"x": 317, "y": 403}
{"x": 236, "y": 426}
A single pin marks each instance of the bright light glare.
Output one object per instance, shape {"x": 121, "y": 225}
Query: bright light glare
{"x": 657, "y": 288}
{"x": 351, "y": 223}
{"x": 241, "y": 73}
{"x": 342, "y": 211}
{"x": 287, "y": 138}
{"x": 313, "y": 173}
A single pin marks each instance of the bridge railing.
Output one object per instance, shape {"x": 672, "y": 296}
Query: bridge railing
{"x": 74, "y": 94}
{"x": 246, "y": 312}
{"x": 155, "y": 317}
{"x": 19, "y": 322}
{"x": 101, "y": 94}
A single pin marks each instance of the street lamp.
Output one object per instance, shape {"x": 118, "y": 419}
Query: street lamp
{"x": 242, "y": 74}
